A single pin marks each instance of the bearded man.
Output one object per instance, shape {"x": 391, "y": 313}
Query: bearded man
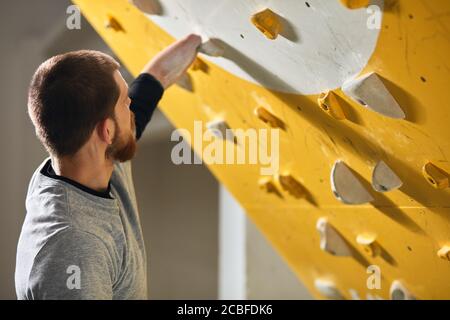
{"x": 81, "y": 238}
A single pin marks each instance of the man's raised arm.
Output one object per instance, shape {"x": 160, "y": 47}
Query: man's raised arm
{"x": 159, "y": 74}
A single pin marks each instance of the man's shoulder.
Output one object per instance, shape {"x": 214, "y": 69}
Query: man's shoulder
{"x": 46, "y": 197}
{"x": 123, "y": 175}
{"x": 52, "y": 205}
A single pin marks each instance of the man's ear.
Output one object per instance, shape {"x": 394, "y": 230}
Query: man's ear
{"x": 105, "y": 130}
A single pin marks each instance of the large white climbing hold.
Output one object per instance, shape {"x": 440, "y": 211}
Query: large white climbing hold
{"x": 384, "y": 179}
{"x": 305, "y": 34}
{"x": 327, "y": 289}
{"x": 331, "y": 241}
{"x": 346, "y": 187}
{"x": 370, "y": 91}
{"x": 399, "y": 292}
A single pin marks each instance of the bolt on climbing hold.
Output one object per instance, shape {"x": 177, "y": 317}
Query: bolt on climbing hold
{"x": 369, "y": 244}
{"x": 269, "y": 186}
{"x": 292, "y": 186}
{"x": 328, "y": 289}
{"x": 151, "y": 7}
{"x": 268, "y": 23}
{"x": 269, "y": 118}
{"x": 212, "y": 48}
{"x": 112, "y": 23}
{"x": 435, "y": 176}
{"x": 355, "y": 4}
{"x": 199, "y": 64}
{"x": 444, "y": 253}
{"x": 370, "y": 92}
{"x": 399, "y": 292}
{"x": 346, "y": 187}
{"x": 384, "y": 179}
{"x": 331, "y": 241}
{"x": 328, "y": 102}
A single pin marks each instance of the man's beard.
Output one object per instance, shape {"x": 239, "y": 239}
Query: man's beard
{"x": 123, "y": 148}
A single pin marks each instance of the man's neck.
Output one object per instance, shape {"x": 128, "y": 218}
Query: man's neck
{"x": 89, "y": 171}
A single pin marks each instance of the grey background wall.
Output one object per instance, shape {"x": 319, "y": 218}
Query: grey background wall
{"x": 180, "y": 229}
{"x": 178, "y": 204}
{"x": 24, "y": 24}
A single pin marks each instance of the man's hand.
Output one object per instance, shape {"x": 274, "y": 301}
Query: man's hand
{"x": 171, "y": 63}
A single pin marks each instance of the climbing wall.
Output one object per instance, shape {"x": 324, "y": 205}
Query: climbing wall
{"x": 360, "y": 98}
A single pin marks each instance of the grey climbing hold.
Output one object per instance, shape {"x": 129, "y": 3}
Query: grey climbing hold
{"x": 327, "y": 289}
{"x": 384, "y": 179}
{"x": 331, "y": 241}
{"x": 399, "y": 292}
{"x": 220, "y": 129}
{"x": 370, "y": 91}
{"x": 346, "y": 187}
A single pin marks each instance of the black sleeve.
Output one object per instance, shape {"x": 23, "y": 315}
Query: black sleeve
{"x": 145, "y": 92}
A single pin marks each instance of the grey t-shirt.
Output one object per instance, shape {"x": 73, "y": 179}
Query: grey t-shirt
{"x": 76, "y": 245}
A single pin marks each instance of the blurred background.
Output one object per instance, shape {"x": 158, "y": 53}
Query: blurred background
{"x": 200, "y": 245}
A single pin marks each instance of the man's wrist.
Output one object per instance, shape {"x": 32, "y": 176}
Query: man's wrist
{"x": 158, "y": 75}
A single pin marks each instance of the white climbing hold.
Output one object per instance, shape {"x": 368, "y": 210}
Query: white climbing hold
{"x": 346, "y": 187}
{"x": 384, "y": 179}
{"x": 327, "y": 289}
{"x": 444, "y": 253}
{"x": 354, "y": 294}
{"x": 369, "y": 244}
{"x": 370, "y": 91}
{"x": 212, "y": 48}
{"x": 399, "y": 292}
{"x": 331, "y": 241}
{"x": 370, "y": 296}
{"x": 220, "y": 129}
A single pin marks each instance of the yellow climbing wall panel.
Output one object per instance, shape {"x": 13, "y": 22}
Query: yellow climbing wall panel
{"x": 410, "y": 224}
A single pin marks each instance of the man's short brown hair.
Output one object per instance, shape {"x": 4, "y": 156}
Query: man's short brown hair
{"x": 69, "y": 95}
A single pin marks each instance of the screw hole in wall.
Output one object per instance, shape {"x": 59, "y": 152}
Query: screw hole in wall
{"x": 361, "y": 102}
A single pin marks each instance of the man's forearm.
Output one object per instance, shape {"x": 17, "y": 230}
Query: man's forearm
{"x": 159, "y": 74}
{"x": 145, "y": 92}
